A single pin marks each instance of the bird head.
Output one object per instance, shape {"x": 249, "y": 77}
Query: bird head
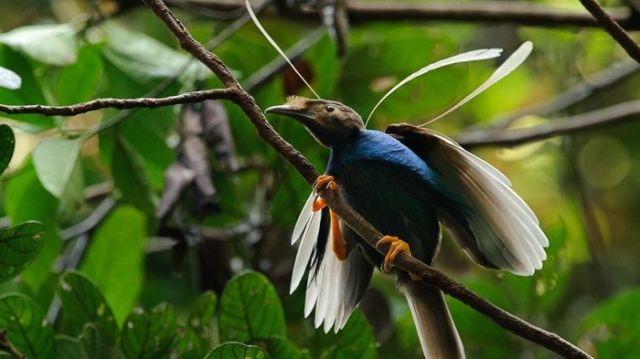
{"x": 330, "y": 122}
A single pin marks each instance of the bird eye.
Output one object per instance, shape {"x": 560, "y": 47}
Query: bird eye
{"x": 329, "y": 108}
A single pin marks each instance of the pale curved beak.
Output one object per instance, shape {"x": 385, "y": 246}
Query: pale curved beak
{"x": 291, "y": 111}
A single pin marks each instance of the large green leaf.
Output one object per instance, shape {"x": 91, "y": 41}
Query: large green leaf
{"x": 202, "y": 315}
{"x": 279, "y": 347}
{"x": 356, "y": 339}
{"x": 29, "y": 93}
{"x": 83, "y": 303}
{"x": 79, "y": 82}
{"x": 58, "y": 167}
{"x": 144, "y": 58}
{"x": 129, "y": 176}
{"x": 233, "y": 350}
{"x": 50, "y": 44}
{"x": 612, "y": 327}
{"x": 21, "y": 193}
{"x": 9, "y": 79}
{"x": 188, "y": 345}
{"x": 26, "y": 327}
{"x": 250, "y": 309}
{"x": 149, "y": 335}
{"x": 7, "y": 144}
{"x": 19, "y": 246}
{"x": 69, "y": 348}
{"x": 115, "y": 257}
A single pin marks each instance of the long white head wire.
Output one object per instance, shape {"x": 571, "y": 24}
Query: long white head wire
{"x": 275, "y": 45}
{"x": 515, "y": 60}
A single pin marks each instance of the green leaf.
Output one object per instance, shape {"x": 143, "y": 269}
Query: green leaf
{"x": 7, "y": 145}
{"x": 58, "y": 168}
{"x": 202, "y": 315}
{"x": 83, "y": 304}
{"x": 234, "y": 350}
{"x": 250, "y": 309}
{"x": 69, "y": 348}
{"x": 356, "y": 339}
{"x": 279, "y": 347}
{"x": 129, "y": 176}
{"x": 148, "y": 335}
{"x": 49, "y": 44}
{"x": 27, "y": 329}
{"x": 19, "y": 246}
{"x": 23, "y": 190}
{"x": 188, "y": 345}
{"x": 612, "y": 327}
{"x": 115, "y": 257}
{"x": 144, "y": 58}
{"x": 9, "y": 79}
{"x": 96, "y": 342}
{"x": 29, "y": 93}
{"x": 79, "y": 82}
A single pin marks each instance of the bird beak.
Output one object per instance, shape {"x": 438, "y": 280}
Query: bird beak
{"x": 291, "y": 111}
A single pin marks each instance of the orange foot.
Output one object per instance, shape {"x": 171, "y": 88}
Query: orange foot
{"x": 325, "y": 181}
{"x": 396, "y": 245}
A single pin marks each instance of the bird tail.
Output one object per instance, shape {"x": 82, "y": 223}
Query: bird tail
{"x": 437, "y": 332}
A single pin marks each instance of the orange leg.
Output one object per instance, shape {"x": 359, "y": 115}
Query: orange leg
{"x": 339, "y": 245}
{"x": 325, "y": 181}
{"x": 396, "y": 245}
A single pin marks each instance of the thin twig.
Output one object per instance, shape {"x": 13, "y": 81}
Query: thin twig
{"x": 119, "y": 103}
{"x": 355, "y": 221}
{"x": 495, "y": 12}
{"x": 613, "y": 28}
{"x": 623, "y": 112}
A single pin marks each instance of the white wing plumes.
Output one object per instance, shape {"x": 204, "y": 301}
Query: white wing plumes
{"x": 334, "y": 286}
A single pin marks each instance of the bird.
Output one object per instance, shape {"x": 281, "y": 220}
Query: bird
{"x": 409, "y": 183}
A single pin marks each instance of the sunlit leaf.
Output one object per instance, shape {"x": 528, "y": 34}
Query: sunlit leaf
{"x": 145, "y": 58}
{"x": 58, "y": 167}
{"x": 50, "y": 44}
{"x": 114, "y": 259}
{"x": 9, "y": 79}
{"x": 19, "y": 246}
{"x": 83, "y": 303}
{"x": 148, "y": 335}
{"x": 26, "y": 327}
{"x": 233, "y": 350}
{"x": 250, "y": 309}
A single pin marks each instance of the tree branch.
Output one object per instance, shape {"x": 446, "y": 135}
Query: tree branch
{"x": 613, "y": 28}
{"x": 625, "y": 111}
{"x": 120, "y": 103}
{"x": 355, "y": 221}
{"x": 498, "y": 12}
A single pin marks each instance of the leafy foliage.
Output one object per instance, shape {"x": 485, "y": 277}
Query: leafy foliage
{"x": 65, "y": 169}
{"x": 19, "y": 246}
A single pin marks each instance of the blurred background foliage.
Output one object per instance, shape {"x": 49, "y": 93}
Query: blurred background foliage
{"x": 95, "y": 182}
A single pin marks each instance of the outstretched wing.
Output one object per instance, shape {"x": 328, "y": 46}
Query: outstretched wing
{"x": 477, "y": 205}
{"x": 334, "y": 286}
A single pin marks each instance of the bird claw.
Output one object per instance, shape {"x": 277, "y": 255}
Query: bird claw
{"x": 396, "y": 246}
{"x": 325, "y": 181}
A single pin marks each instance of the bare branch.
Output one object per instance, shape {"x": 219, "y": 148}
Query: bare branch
{"x": 119, "y": 103}
{"x": 613, "y": 28}
{"x": 498, "y": 12}
{"x": 355, "y": 221}
{"x": 625, "y": 111}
